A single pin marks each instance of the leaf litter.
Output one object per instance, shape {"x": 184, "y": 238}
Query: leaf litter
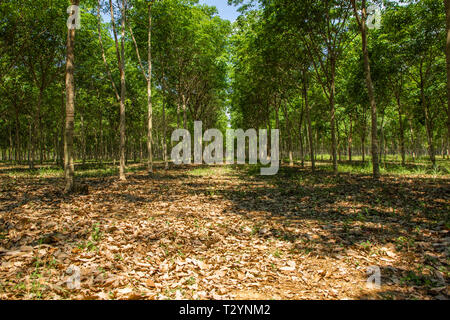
{"x": 225, "y": 235}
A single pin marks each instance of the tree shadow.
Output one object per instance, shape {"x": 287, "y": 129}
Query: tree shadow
{"x": 351, "y": 213}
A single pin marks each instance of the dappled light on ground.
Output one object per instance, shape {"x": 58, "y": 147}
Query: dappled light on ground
{"x": 223, "y": 233}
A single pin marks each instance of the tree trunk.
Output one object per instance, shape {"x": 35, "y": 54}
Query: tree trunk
{"x": 308, "y": 119}
{"x": 83, "y": 139}
{"x": 70, "y": 109}
{"x": 18, "y": 157}
{"x": 30, "y": 144}
{"x": 149, "y": 123}
{"x": 38, "y": 126}
{"x": 369, "y": 84}
{"x": 288, "y": 134}
{"x": 413, "y": 141}
{"x": 447, "y": 146}
{"x": 382, "y": 139}
{"x": 149, "y": 93}
{"x": 178, "y": 113}
{"x": 164, "y": 142}
{"x": 350, "y": 138}
{"x": 402, "y": 130}
{"x": 338, "y": 142}
{"x": 363, "y": 145}
{"x": 429, "y": 129}
{"x": 302, "y": 152}
{"x": 10, "y": 145}
{"x": 36, "y": 130}
{"x": 333, "y": 116}
{"x": 63, "y": 128}
{"x": 184, "y": 112}
{"x": 447, "y": 52}
{"x": 101, "y": 147}
{"x": 122, "y": 98}
{"x": 148, "y": 77}
{"x": 120, "y": 55}
{"x": 428, "y": 121}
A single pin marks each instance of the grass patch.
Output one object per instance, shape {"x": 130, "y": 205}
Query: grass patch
{"x": 391, "y": 168}
{"x": 210, "y": 171}
{"x": 99, "y": 172}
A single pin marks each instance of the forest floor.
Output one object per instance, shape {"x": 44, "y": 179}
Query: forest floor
{"x": 224, "y": 233}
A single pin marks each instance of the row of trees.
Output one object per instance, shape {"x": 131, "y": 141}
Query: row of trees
{"x": 133, "y": 71}
{"x": 318, "y": 72}
{"x": 137, "y": 69}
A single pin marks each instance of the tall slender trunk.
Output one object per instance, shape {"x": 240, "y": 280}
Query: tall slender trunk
{"x": 56, "y": 150}
{"x": 141, "y": 154}
{"x": 369, "y": 84}
{"x": 101, "y": 148}
{"x": 149, "y": 93}
{"x": 277, "y": 124}
{"x": 402, "y": 130}
{"x": 269, "y": 142}
{"x": 333, "y": 116}
{"x": 302, "y": 148}
{"x": 178, "y": 113}
{"x": 10, "y": 145}
{"x": 120, "y": 55}
{"x": 277, "y": 118}
{"x": 317, "y": 150}
{"x": 350, "y": 138}
{"x": 83, "y": 139}
{"x": 164, "y": 138}
{"x": 63, "y": 128}
{"x": 70, "y": 110}
{"x": 339, "y": 141}
{"x": 300, "y": 128}
{"x": 184, "y": 112}
{"x": 447, "y": 146}
{"x": 149, "y": 125}
{"x": 38, "y": 127}
{"x": 166, "y": 161}
{"x": 17, "y": 151}
{"x": 363, "y": 143}
{"x": 413, "y": 140}
{"x": 428, "y": 120}
{"x": 30, "y": 142}
{"x": 429, "y": 129}
{"x": 34, "y": 138}
{"x": 289, "y": 136}
{"x": 382, "y": 139}
{"x": 373, "y": 105}
{"x": 447, "y": 53}
{"x": 122, "y": 96}
{"x": 148, "y": 78}
{"x": 308, "y": 119}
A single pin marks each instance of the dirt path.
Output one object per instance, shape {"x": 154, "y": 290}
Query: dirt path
{"x": 221, "y": 233}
